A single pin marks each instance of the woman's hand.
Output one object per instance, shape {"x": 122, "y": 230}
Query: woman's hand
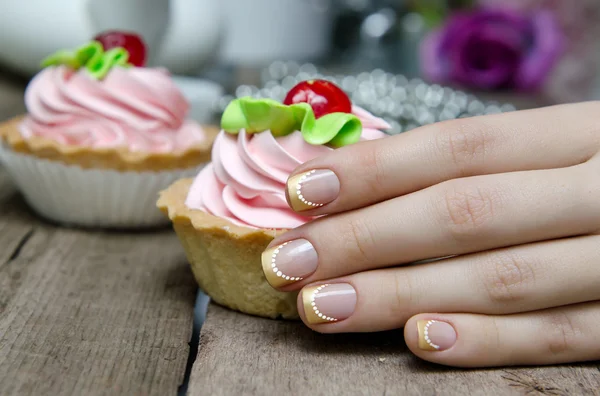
{"x": 514, "y": 199}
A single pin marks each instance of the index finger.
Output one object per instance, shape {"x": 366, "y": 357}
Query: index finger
{"x": 374, "y": 171}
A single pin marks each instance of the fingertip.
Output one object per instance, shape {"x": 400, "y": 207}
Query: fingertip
{"x": 287, "y": 264}
{"x": 454, "y": 340}
{"x": 325, "y": 307}
{"x": 310, "y": 190}
{"x": 428, "y": 336}
{"x": 300, "y": 302}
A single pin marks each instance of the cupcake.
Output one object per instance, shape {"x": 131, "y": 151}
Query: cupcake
{"x": 236, "y": 205}
{"x": 102, "y": 137}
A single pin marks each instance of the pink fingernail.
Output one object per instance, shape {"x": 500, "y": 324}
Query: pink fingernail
{"x": 435, "y": 335}
{"x": 312, "y": 189}
{"x": 289, "y": 262}
{"x": 328, "y": 302}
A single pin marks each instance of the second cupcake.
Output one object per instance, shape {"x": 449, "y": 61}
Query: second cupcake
{"x": 101, "y": 138}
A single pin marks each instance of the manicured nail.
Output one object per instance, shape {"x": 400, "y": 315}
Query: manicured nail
{"x": 329, "y": 302}
{"x": 312, "y": 189}
{"x": 435, "y": 335}
{"x": 289, "y": 262}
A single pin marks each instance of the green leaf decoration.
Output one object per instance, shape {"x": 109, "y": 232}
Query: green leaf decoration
{"x": 258, "y": 115}
{"x": 92, "y": 57}
{"x": 62, "y": 57}
{"x": 100, "y": 66}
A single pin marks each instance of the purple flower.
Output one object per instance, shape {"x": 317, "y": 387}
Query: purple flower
{"x": 493, "y": 48}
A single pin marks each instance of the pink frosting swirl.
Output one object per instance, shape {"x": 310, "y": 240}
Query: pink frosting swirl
{"x": 245, "y": 183}
{"x": 137, "y": 108}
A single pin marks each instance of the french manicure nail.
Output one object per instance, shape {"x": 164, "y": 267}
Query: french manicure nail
{"x": 289, "y": 262}
{"x": 435, "y": 335}
{"x": 312, "y": 189}
{"x": 329, "y": 302}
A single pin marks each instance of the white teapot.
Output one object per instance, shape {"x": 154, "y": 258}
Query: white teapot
{"x": 182, "y": 35}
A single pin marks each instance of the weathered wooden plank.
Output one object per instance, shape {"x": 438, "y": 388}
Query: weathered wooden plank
{"x": 240, "y": 354}
{"x": 86, "y": 312}
{"x": 14, "y": 229}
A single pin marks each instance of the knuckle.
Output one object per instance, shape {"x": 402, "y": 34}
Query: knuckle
{"x": 491, "y": 342}
{"x": 465, "y": 143}
{"x": 467, "y": 210}
{"x": 560, "y": 334}
{"x": 400, "y": 310}
{"x": 359, "y": 240}
{"x": 507, "y": 279}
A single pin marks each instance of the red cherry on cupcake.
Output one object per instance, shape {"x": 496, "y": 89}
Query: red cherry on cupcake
{"x": 324, "y": 97}
{"x": 130, "y": 41}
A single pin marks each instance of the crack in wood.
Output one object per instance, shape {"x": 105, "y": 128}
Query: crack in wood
{"x": 530, "y": 385}
{"x": 11, "y": 278}
{"x": 193, "y": 345}
{"x": 17, "y": 250}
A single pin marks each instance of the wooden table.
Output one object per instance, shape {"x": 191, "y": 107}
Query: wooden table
{"x": 97, "y": 313}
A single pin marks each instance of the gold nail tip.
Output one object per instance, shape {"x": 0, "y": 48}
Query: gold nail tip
{"x": 275, "y": 277}
{"x": 294, "y": 190}
{"x": 424, "y": 341}
{"x": 311, "y": 310}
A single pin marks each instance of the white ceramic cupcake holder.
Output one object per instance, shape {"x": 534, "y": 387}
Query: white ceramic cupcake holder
{"x": 90, "y": 197}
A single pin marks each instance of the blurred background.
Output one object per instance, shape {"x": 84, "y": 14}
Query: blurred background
{"x": 412, "y": 62}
